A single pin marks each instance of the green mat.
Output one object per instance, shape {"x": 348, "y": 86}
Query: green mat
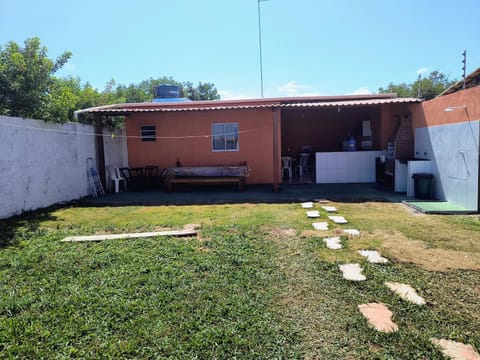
{"x": 438, "y": 207}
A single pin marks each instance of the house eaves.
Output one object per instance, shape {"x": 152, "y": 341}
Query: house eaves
{"x": 218, "y": 105}
{"x": 472, "y": 80}
{"x": 353, "y": 103}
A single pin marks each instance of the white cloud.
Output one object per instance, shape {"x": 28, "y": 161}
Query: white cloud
{"x": 292, "y": 88}
{"x": 361, "y": 91}
{"x": 423, "y": 71}
{"x": 289, "y": 89}
{"x": 228, "y": 95}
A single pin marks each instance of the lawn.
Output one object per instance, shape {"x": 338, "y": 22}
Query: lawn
{"x": 257, "y": 282}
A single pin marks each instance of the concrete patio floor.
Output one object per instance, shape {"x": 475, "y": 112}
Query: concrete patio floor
{"x": 253, "y": 194}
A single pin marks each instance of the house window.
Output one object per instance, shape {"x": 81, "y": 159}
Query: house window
{"x": 225, "y": 137}
{"x": 148, "y": 132}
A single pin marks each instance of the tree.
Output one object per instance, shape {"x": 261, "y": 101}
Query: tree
{"x": 26, "y": 78}
{"x": 144, "y": 90}
{"x": 63, "y": 99}
{"x": 426, "y": 88}
{"x": 28, "y": 87}
{"x": 206, "y": 91}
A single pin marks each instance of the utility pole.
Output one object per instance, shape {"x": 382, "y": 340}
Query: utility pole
{"x": 260, "y": 45}
{"x": 419, "y": 90}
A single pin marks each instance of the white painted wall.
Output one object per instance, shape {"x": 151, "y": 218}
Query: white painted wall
{"x": 42, "y": 164}
{"x": 116, "y": 153}
{"x": 454, "y": 153}
{"x": 346, "y": 166}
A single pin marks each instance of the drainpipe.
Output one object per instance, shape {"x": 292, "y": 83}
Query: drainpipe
{"x": 276, "y": 156}
{"x": 100, "y": 149}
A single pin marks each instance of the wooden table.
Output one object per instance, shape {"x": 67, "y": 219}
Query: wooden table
{"x": 207, "y": 175}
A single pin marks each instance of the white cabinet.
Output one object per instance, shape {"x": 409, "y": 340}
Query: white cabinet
{"x": 346, "y": 167}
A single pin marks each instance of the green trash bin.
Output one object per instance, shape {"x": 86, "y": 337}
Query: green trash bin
{"x": 423, "y": 185}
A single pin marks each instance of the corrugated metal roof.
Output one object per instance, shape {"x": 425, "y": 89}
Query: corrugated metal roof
{"x": 170, "y": 109}
{"x": 472, "y": 80}
{"x": 353, "y": 103}
{"x": 337, "y": 101}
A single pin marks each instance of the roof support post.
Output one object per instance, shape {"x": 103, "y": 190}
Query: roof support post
{"x": 276, "y": 148}
{"x": 478, "y": 174}
{"x": 100, "y": 149}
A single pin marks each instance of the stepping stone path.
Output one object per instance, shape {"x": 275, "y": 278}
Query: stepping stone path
{"x": 307, "y": 205}
{"x": 456, "y": 350}
{"x": 313, "y": 214}
{"x": 334, "y": 243}
{"x": 373, "y": 256}
{"x": 352, "y": 232}
{"x": 352, "y": 272}
{"x": 406, "y": 292}
{"x": 338, "y": 219}
{"x": 379, "y": 316}
{"x": 320, "y": 225}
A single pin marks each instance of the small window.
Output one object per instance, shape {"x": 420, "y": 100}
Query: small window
{"x": 148, "y": 132}
{"x": 225, "y": 137}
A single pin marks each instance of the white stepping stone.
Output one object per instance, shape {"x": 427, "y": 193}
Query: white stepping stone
{"x": 373, "y": 256}
{"x": 320, "y": 225}
{"x": 352, "y": 232}
{"x": 323, "y": 201}
{"x": 334, "y": 243}
{"x": 329, "y": 208}
{"x": 379, "y": 316}
{"x": 307, "y": 205}
{"x": 338, "y": 219}
{"x": 406, "y": 292}
{"x": 352, "y": 272}
{"x": 313, "y": 214}
{"x": 456, "y": 350}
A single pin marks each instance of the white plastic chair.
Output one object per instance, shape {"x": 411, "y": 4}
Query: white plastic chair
{"x": 302, "y": 165}
{"x": 116, "y": 177}
{"x": 287, "y": 165}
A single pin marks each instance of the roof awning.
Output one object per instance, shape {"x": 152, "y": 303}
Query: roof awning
{"x": 350, "y": 103}
{"x": 473, "y": 79}
{"x": 125, "y": 109}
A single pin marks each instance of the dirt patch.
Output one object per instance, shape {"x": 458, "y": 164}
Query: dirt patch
{"x": 277, "y": 232}
{"x": 192, "y": 226}
{"x": 402, "y": 249}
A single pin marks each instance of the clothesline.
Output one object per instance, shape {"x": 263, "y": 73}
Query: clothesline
{"x": 112, "y": 135}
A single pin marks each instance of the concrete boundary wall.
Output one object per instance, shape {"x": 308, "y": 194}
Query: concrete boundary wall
{"x": 42, "y": 164}
{"x": 454, "y": 152}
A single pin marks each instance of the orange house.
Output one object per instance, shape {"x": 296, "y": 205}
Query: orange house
{"x": 261, "y": 131}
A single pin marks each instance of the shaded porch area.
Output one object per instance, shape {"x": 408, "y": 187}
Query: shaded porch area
{"x": 252, "y": 194}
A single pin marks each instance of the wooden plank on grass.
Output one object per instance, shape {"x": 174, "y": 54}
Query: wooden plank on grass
{"x": 177, "y": 233}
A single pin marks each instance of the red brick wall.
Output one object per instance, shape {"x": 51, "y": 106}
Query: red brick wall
{"x": 186, "y": 137}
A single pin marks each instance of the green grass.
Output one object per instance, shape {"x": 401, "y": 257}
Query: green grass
{"x": 256, "y": 284}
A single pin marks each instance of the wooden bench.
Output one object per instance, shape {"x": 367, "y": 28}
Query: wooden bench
{"x": 240, "y": 181}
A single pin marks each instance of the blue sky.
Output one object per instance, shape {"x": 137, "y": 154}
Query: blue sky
{"x": 310, "y": 47}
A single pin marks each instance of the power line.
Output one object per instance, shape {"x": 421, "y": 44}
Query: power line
{"x": 68, "y": 132}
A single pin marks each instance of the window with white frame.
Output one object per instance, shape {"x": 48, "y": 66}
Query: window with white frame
{"x": 225, "y": 137}
{"x": 148, "y": 132}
